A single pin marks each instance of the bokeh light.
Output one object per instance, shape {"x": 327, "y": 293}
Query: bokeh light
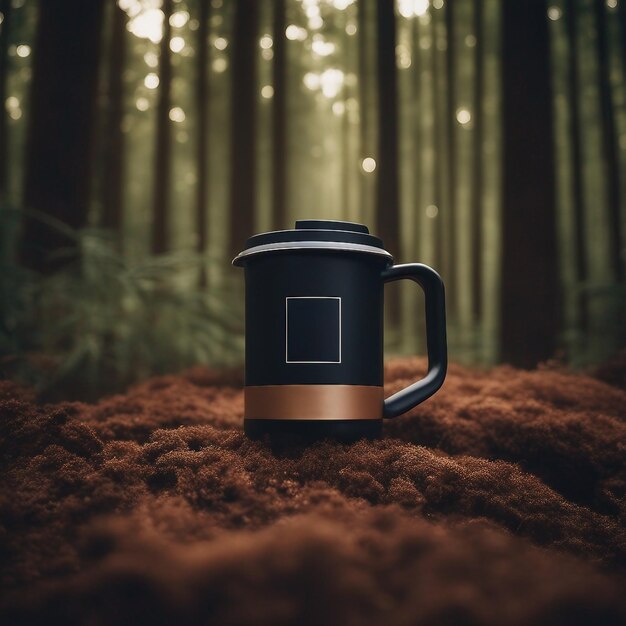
{"x": 463, "y": 116}
{"x": 342, "y": 5}
{"x": 146, "y": 24}
{"x": 295, "y": 33}
{"x": 554, "y": 13}
{"x": 412, "y": 8}
{"x": 220, "y": 43}
{"x": 266, "y": 42}
{"x": 432, "y": 210}
{"x": 220, "y": 65}
{"x": 177, "y": 115}
{"x": 339, "y": 108}
{"x": 321, "y": 47}
{"x": 12, "y": 105}
{"x": 179, "y": 19}
{"x": 311, "y": 81}
{"x": 177, "y": 44}
{"x": 331, "y": 82}
{"x": 403, "y": 56}
{"x": 151, "y": 81}
{"x": 151, "y": 59}
{"x": 368, "y": 164}
{"x": 316, "y": 22}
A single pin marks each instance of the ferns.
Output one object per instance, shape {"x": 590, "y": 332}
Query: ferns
{"x": 100, "y": 322}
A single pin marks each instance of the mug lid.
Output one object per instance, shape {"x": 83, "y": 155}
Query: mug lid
{"x": 332, "y": 235}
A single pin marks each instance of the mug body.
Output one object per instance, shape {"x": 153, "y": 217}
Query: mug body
{"x": 314, "y": 344}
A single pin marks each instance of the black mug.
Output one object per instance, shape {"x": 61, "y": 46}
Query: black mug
{"x": 314, "y": 332}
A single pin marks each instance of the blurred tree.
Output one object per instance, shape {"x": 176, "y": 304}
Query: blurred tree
{"x": 113, "y": 157}
{"x": 441, "y": 86}
{"x": 162, "y": 167}
{"x": 600, "y": 285}
{"x": 243, "y": 123}
{"x": 202, "y": 105}
{"x": 60, "y": 133}
{"x": 368, "y": 104}
{"x": 279, "y": 118}
{"x": 387, "y": 198}
{"x": 530, "y": 288}
{"x": 5, "y": 11}
{"x": 491, "y": 184}
{"x": 463, "y": 127}
{"x": 610, "y": 160}
{"x": 576, "y": 151}
{"x": 477, "y": 157}
{"x": 450, "y": 114}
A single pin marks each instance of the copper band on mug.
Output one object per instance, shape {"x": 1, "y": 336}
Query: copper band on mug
{"x": 313, "y": 402}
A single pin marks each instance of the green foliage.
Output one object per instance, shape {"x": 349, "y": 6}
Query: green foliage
{"x": 101, "y": 322}
{"x": 605, "y": 331}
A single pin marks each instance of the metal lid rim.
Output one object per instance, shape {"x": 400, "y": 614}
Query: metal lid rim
{"x": 336, "y": 246}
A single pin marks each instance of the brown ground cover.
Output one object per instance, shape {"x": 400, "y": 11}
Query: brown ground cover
{"x": 499, "y": 501}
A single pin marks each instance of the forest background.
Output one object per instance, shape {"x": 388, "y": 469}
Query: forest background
{"x": 142, "y": 141}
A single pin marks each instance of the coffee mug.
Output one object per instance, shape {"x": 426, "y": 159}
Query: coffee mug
{"x": 314, "y": 332}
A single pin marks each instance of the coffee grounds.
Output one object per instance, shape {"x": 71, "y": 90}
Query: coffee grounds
{"x": 499, "y": 500}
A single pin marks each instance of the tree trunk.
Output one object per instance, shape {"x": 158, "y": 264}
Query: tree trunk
{"x": 451, "y": 151}
{"x": 441, "y": 182}
{"x": 163, "y": 141}
{"x": 609, "y": 143}
{"x": 5, "y": 27}
{"x": 279, "y": 117}
{"x": 477, "y": 160}
{"x": 366, "y": 19}
{"x": 463, "y": 293}
{"x": 529, "y": 273}
{"x": 621, "y": 7}
{"x": 387, "y": 193}
{"x": 491, "y": 196}
{"x": 202, "y": 103}
{"x": 243, "y": 123}
{"x": 112, "y": 216}
{"x": 577, "y": 161}
{"x": 61, "y": 124}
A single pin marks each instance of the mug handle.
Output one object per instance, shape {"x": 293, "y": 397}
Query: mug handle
{"x": 436, "y": 344}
